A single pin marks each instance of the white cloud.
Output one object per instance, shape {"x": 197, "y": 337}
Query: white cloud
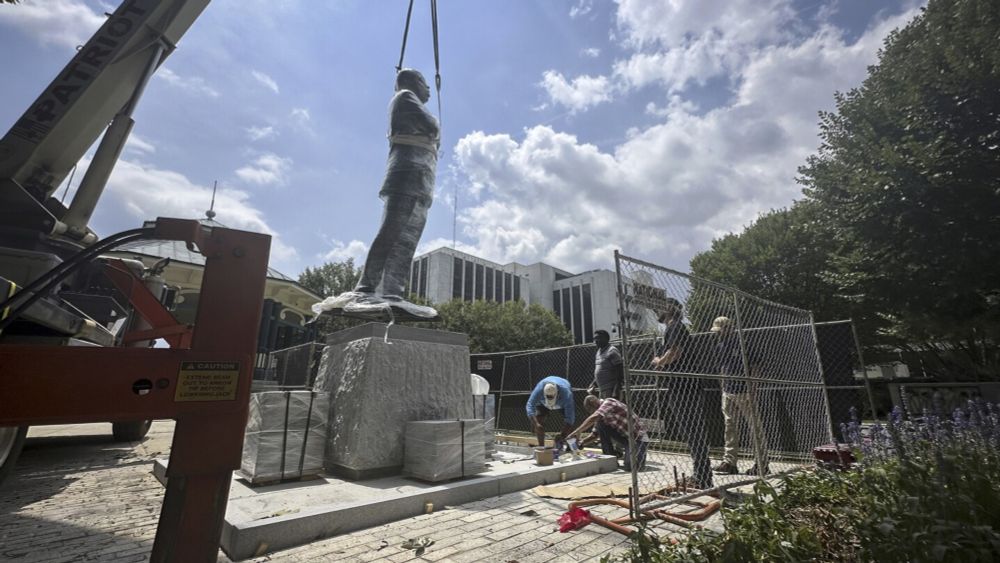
{"x": 673, "y": 23}
{"x": 675, "y": 104}
{"x": 260, "y": 133}
{"x": 669, "y": 188}
{"x": 579, "y": 94}
{"x": 193, "y": 84}
{"x": 341, "y": 251}
{"x": 301, "y": 120}
{"x": 65, "y": 23}
{"x": 592, "y": 52}
{"x": 139, "y": 145}
{"x": 677, "y": 68}
{"x": 147, "y": 192}
{"x": 682, "y": 42}
{"x": 266, "y": 80}
{"x": 581, "y": 8}
{"x": 266, "y": 169}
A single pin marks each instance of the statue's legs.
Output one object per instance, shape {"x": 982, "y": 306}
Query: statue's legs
{"x": 391, "y": 253}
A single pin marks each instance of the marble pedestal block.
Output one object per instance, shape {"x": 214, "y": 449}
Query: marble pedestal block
{"x": 377, "y": 387}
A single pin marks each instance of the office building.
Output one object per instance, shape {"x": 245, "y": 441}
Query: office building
{"x": 584, "y": 302}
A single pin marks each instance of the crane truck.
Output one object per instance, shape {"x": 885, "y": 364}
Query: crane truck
{"x": 91, "y": 305}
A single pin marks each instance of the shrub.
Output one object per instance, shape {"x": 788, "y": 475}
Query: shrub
{"x": 925, "y": 489}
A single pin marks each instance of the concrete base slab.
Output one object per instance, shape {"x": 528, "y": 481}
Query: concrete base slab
{"x": 264, "y": 519}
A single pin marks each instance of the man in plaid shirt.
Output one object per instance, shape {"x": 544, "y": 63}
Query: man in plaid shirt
{"x": 611, "y": 419}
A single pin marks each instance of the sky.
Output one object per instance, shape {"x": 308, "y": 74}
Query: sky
{"x": 571, "y": 128}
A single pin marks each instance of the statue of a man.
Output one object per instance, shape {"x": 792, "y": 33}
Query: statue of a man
{"x": 408, "y": 189}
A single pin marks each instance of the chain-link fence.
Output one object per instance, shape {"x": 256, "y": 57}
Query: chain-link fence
{"x": 521, "y": 371}
{"x": 731, "y": 390}
{"x": 513, "y": 375}
{"x": 848, "y": 390}
{"x": 290, "y": 368}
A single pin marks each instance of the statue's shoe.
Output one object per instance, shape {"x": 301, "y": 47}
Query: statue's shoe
{"x": 348, "y": 299}
{"x": 374, "y": 307}
{"x": 414, "y": 310}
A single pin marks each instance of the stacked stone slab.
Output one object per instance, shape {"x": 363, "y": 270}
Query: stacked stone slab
{"x": 286, "y": 435}
{"x": 378, "y": 382}
{"x": 440, "y": 450}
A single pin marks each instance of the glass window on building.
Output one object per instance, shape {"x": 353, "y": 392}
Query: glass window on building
{"x": 566, "y": 309}
{"x": 489, "y": 284}
{"x": 508, "y": 286}
{"x": 412, "y": 286}
{"x": 423, "y": 277}
{"x": 498, "y": 282}
{"x": 456, "y": 280}
{"x": 588, "y": 315}
{"x": 517, "y": 289}
{"x": 469, "y": 280}
{"x": 556, "y": 304}
{"x": 577, "y": 316}
{"x": 479, "y": 282}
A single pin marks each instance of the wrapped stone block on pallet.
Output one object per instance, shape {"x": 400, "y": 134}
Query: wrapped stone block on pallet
{"x": 286, "y": 435}
{"x": 439, "y": 450}
{"x": 484, "y": 407}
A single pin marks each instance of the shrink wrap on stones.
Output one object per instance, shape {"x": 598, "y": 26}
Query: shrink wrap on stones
{"x": 286, "y": 435}
{"x": 484, "y": 407}
{"x": 439, "y": 450}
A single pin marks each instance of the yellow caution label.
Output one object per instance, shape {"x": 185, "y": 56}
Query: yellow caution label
{"x": 207, "y": 381}
{"x": 11, "y": 290}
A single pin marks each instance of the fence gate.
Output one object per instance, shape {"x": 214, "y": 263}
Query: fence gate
{"x": 742, "y": 384}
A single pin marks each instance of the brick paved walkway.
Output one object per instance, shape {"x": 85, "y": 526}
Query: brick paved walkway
{"x": 78, "y": 496}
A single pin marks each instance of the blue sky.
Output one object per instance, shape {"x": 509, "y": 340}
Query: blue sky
{"x": 571, "y": 127}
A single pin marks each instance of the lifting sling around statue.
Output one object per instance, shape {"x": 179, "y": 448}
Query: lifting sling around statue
{"x": 408, "y": 190}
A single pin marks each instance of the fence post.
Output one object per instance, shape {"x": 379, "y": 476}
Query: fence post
{"x": 753, "y": 397}
{"x": 623, "y": 326}
{"x": 568, "y": 348}
{"x": 864, "y": 371}
{"x": 496, "y": 415}
{"x": 822, "y": 378}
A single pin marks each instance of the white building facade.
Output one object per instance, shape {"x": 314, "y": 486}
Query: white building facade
{"x": 584, "y": 302}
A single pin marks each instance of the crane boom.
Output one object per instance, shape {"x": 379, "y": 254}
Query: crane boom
{"x": 105, "y": 76}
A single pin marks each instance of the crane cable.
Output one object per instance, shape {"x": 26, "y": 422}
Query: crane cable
{"x": 437, "y": 56}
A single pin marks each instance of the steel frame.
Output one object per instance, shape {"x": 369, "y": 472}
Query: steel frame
{"x": 60, "y": 385}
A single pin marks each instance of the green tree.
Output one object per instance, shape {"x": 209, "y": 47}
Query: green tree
{"x": 332, "y": 278}
{"x": 783, "y": 256}
{"x": 908, "y": 181}
{"x": 499, "y": 327}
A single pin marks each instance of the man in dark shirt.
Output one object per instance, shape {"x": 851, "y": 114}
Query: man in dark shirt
{"x": 609, "y": 376}
{"x": 685, "y": 395}
{"x": 739, "y": 399}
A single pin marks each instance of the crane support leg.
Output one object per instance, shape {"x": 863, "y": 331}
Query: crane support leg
{"x": 205, "y": 387}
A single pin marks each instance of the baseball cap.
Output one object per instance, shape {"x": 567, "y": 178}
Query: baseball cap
{"x": 720, "y": 323}
{"x": 551, "y": 393}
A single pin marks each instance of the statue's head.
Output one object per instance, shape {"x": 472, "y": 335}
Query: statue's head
{"x": 412, "y": 80}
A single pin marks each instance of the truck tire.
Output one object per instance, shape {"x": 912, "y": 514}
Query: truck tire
{"x": 130, "y": 431}
{"x": 11, "y": 443}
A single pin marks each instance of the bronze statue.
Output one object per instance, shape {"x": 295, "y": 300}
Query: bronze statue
{"x": 408, "y": 190}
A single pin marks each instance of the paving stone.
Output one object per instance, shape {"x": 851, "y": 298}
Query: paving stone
{"x": 78, "y": 496}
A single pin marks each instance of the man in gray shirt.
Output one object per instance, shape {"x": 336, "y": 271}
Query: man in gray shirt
{"x": 609, "y": 376}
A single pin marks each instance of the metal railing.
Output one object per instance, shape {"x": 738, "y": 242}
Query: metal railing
{"x": 289, "y": 368}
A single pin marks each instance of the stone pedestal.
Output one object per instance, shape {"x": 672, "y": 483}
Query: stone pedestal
{"x": 377, "y": 387}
